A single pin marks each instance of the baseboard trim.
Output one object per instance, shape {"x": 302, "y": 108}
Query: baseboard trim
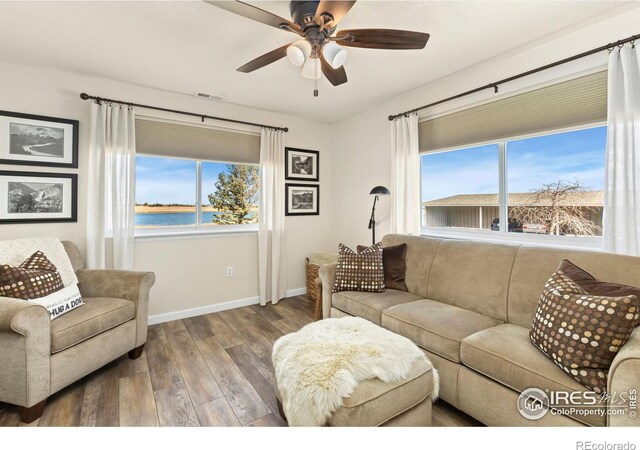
{"x": 216, "y": 307}
{"x": 294, "y": 292}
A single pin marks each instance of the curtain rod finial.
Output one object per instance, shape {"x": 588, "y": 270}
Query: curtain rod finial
{"x": 391, "y": 117}
{"x": 84, "y": 96}
{"x": 285, "y": 129}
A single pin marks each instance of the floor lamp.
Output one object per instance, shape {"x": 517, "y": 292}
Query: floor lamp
{"x": 377, "y": 191}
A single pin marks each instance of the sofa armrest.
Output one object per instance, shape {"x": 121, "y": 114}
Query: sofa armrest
{"x": 25, "y": 340}
{"x": 624, "y": 377}
{"x": 327, "y": 276}
{"x": 23, "y": 317}
{"x": 125, "y": 284}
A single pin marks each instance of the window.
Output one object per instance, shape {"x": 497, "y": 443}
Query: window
{"x": 222, "y": 202}
{"x": 174, "y": 194}
{"x": 556, "y": 183}
{"x": 179, "y": 186}
{"x": 160, "y": 203}
{"x": 460, "y": 188}
{"x": 553, "y": 185}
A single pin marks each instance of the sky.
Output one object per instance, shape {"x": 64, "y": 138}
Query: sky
{"x": 530, "y": 163}
{"x": 173, "y": 180}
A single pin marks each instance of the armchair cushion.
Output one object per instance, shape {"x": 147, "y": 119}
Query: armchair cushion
{"x": 125, "y": 284}
{"x": 98, "y": 315}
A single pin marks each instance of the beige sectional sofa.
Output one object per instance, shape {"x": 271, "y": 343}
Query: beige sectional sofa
{"x": 470, "y": 306}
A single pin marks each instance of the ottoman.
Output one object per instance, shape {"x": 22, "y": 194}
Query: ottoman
{"x": 405, "y": 403}
{"x": 351, "y": 372}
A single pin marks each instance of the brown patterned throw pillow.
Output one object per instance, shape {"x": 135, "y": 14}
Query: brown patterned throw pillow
{"x": 580, "y": 332}
{"x": 34, "y": 278}
{"x": 394, "y": 260}
{"x": 359, "y": 271}
{"x": 593, "y": 286}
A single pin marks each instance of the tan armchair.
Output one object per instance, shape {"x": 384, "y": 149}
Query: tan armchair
{"x": 39, "y": 357}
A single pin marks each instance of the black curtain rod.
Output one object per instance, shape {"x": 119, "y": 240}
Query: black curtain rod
{"x": 84, "y": 96}
{"x": 495, "y": 84}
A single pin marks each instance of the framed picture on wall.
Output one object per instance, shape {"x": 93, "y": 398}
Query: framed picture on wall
{"x": 302, "y": 199}
{"x": 301, "y": 164}
{"x": 34, "y": 197}
{"x": 30, "y": 140}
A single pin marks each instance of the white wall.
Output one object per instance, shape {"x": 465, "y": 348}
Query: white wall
{"x": 190, "y": 272}
{"x": 355, "y": 156}
{"x": 362, "y": 155}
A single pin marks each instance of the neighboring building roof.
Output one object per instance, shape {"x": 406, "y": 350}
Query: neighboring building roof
{"x": 586, "y": 198}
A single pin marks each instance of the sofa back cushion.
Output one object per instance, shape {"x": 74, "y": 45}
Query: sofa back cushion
{"x": 502, "y": 281}
{"x": 74, "y": 255}
{"x": 533, "y": 266}
{"x": 473, "y": 276}
{"x": 420, "y": 254}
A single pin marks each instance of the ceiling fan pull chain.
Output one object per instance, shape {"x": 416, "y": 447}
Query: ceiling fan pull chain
{"x": 315, "y": 87}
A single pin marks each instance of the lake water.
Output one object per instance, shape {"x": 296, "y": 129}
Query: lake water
{"x": 166, "y": 219}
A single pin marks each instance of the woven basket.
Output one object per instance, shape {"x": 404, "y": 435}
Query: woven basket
{"x": 313, "y": 263}
{"x": 314, "y": 290}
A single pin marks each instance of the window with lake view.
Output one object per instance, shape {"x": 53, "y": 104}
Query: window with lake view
{"x": 554, "y": 185}
{"x": 168, "y": 189}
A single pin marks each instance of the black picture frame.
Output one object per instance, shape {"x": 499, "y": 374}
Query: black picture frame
{"x": 37, "y": 175}
{"x": 289, "y": 153}
{"x": 5, "y": 140}
{"x": 288, "y": 212}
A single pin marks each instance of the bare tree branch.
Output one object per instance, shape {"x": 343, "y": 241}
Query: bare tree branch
{"x": 554, "y": 205}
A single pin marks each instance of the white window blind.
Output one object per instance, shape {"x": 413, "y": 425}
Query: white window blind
{"x": 160, "y": 138}
{"x": 570, "y": 103}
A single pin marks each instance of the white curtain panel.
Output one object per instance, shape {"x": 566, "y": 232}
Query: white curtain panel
{"x": 621, "y": 224}
{"x": 405, "y": 168}
{"x": 272, "y": 253}
{"x": 111, "y": 189}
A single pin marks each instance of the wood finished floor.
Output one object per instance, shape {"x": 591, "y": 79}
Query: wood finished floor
{"x": 212, "y": 370}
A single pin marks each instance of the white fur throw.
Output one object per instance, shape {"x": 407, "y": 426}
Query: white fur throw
{"x": 16, "y": 251}
{"x": 322, "y": 363}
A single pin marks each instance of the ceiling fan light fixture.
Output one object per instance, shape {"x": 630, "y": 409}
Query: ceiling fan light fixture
{"x": 311, "y": 68}
{"x": 299, "y": 52}
{"x": 334, "y": 54}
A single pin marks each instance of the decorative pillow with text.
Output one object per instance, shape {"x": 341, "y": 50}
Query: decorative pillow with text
{"x": 61, "y": 302}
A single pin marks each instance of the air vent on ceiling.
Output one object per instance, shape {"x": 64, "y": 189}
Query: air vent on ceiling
{"x": 217, "y": 98}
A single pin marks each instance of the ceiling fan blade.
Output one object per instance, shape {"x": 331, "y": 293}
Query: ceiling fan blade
{"x": 265, "y": 59}
{"x": 337, "y": 9}
{"x": 255, "y": 13}
{"x": 335, "y": 76}
{"x": 382, "y": 38}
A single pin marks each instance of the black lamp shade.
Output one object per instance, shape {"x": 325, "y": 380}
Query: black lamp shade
{"x": 379, "y": 190}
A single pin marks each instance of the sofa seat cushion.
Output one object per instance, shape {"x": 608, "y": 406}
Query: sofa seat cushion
{"x": 436, "y": 326}
{"x": 96, "y": 316}
{"x": 369, "y": 305}
{"x": 505, "y": 354}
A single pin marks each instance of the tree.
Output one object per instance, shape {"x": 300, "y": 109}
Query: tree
{"x": 236, "y": 195}
{"x": 554, "y": 205}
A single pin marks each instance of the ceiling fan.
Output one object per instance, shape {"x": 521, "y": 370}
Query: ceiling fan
{"x": 320, "y": 49}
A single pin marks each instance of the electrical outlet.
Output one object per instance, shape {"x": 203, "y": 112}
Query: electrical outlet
{"x": 229, "y": 271}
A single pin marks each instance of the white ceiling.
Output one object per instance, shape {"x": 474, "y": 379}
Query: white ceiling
{"x": 188, "y": 46}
